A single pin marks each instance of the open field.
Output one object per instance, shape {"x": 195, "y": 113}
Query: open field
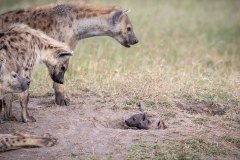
{"x": 186, "y": 69}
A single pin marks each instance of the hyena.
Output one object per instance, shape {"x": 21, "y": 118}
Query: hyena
{"x": 71, "y": 22}
{"x": 23, "y": 47}
{"x": 142, "y": 121}
{"x": 11, "y": 82}
{"x": 19, "y": 140}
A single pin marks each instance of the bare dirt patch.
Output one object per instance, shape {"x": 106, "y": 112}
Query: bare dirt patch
{"x": 92, "y": 128}
{"x": 203, "y": 108}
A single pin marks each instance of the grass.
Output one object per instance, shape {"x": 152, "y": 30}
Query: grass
{"x": 183, "y": 150}
{"x": 188, "y": 50}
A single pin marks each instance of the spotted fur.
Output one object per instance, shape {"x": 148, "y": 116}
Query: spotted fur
{"x": 17, "y": 141}
{"x": 23, "y": 47}
{"x": 71, "y": 22}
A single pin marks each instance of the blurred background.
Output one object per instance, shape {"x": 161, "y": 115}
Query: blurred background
{"x": 188, "y": 50}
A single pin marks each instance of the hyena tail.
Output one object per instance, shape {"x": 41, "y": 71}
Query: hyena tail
{"x": 17, "y": 141}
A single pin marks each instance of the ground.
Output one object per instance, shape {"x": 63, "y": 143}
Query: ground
{"x": 91, "y": 128}
{"x": 185, "y": 68}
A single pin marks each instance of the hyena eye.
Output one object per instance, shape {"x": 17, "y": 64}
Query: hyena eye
{"x": 14, "y": 75}
{"x": 63, "y": 68}
{"x": 129, "y": 29}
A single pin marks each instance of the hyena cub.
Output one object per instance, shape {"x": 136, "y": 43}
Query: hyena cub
{"x": 10, "y": 81}
{"x": 144, "y": 121}
{"x": 23, "y": 47}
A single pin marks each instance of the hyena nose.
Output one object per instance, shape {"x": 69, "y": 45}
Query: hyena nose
{"x": 136, "y": 41}
{"x": 28, "y": 82}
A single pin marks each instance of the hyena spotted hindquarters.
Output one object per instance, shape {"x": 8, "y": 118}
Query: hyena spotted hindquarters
{"x": 71, "y": 22}
{"x": 23, "y": 47}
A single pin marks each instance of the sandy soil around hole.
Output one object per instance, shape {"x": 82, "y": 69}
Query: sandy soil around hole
{"x": 86, "y": 130}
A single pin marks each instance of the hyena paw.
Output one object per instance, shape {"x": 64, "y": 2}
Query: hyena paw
{"x": 9, "y": 118}
{"x": 61, "y": 99}
{"x": 28, "y": 119}
{"x": 49, "y": 142}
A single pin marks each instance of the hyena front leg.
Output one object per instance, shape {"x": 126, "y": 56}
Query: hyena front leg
{"x": 60, "y": 97}
{"x": 24, "y": 98}
{"x": 1, "y": 106}
{"x": 7, "y": 104}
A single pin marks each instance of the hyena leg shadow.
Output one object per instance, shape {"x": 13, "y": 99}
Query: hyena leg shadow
{"x": 24, "y": 98}
{"x": 60, "y": 97}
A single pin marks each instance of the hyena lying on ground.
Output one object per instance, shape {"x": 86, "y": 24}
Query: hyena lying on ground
{"x": 17, "y": 141}
{"x": 23, "y": 47}
{"x": 11, "y": 82}
{"x": 71, "y": 22}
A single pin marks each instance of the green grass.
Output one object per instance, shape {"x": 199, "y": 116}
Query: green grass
{"x": 193, "y": 149}
{"x": 188, "y": 49}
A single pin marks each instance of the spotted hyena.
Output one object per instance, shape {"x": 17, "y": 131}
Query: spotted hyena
{"x": 71, "y": 22}
{"x": 17, "y": 141}
{"x": 10, "y": 81}
{"x": 143, "y": 121}
{"x": 23, "y": 47}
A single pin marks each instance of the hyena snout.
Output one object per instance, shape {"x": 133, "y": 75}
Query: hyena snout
{"x": 58, "y": 77}
{"x": 25, "y": 82}
{"x": 133, "y": 40}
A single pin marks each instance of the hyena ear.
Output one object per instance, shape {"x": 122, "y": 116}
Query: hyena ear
{"x": 116, "y": 17}
{"x": 63, "y": 53}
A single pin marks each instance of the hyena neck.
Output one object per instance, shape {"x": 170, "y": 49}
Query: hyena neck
{"x": 93, "y": 26}
{"x": 91, "y": 20}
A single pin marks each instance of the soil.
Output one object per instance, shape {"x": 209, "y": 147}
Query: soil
{"x": 91, "y": 128}
{"x": 204, "y": 107}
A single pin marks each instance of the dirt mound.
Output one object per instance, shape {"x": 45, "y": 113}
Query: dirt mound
{"x": 203, "y": 108}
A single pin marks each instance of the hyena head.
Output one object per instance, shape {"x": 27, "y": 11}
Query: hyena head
{"x": 10, "y": 81}
{"x": 59, "y": 64}
{"x": 121, "y": 28}
{"x": 139, "y": 121}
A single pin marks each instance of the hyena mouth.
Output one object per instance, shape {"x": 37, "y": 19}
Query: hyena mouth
{"x": 126, "y": 44}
